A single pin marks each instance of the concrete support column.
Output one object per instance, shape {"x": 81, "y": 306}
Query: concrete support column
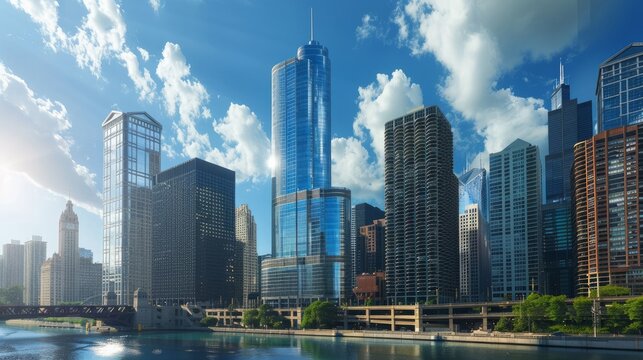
{"x": 485, "y": 311}
{"x": 418, "y": 317}
{"x": 392, "y": 319}
{"x": 292, "y": 318}
{"x": 345, "y": 319}
{"x": 451, "y": 326}
{"x": 368, "y": 318}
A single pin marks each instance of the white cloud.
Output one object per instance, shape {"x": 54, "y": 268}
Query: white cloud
{"x": 38, "y": 146}
{"x": 100, "y": 37}
{"x": 156, "y": 5}
{"x": 145, "y": 55}
{"x": 366, "y": 28}
{"x": 477, "y": 42}
{"x": 245, "y": 145}
{"x": 185, "y": 95}
{"x": 383, "y": 100}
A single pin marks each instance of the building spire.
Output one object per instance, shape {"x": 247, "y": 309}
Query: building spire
{"x": 312, "y": 33}
{"x": 562, "y": 73}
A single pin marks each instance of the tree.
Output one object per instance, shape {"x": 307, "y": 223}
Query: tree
{"x": 582, "y": 310}
{"x": 269, "y": 318}
{"x": 208, "y": 321}
{"x": 610, "y": 290}
{"x": 504, "y": 324}
{"x": 11, "y": 296}
{"x": 320, "y": 314}
{"x": 250, "y": 318}
{"x": 634, "y": 310}
{"x": 557, "y": 309}
{"x": 617, "y": 318}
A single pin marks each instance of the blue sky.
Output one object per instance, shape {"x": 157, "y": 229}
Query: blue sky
{"x": 202, "y": 68}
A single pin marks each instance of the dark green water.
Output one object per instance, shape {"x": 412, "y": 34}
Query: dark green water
{"x": 33, "y": 343}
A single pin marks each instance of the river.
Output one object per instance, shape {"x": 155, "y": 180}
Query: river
{"x": 36, "y": 343}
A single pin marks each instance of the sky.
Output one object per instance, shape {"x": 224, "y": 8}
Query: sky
{"x": 203, "y": 69}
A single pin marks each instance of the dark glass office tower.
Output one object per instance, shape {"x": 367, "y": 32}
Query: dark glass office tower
{"x": 421, "y": 204}
{"x": 310, "y": 219}
{"x": 619, "y": 89}
{"x": 362, "y": 214}
{"x": 568, "y": 122}
{"x": 194, "y": 235}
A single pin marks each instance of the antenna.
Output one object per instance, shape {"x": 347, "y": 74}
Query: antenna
{"x": 311, "y": 25}
{"x": 562, "y": 72}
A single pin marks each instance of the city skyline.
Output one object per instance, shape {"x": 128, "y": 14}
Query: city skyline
{"x": 417, "y": 72}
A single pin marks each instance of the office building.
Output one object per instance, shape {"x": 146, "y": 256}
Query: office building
{"x": 68, "y": 251}
{"x": 568, "y": 122}
{"x": 246, "y": 233}
{"x": 421, "y": 204}
{"x": 131, "y": 158}
{"x": 89, "y": 279}
{"x": 310, "y": 219}
{"x": 619, "y": 89}
{"x": 361, "y": 215}
{"x": 473, "y": 256}
{"x": 472, "y": 189}
{"x": 607, "y": 201}
{"x": 194, "y": 235}
{"x": 14, "y": 257}
{"x": 35, "y": 254}
{"x": 51, "y": 281}
{"x": 370, "y": 246}
{"x": 515, "y": 237}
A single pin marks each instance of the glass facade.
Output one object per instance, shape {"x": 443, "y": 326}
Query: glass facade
{"x": 311, "y": 220}
{"x": 619, "y": 89}
{"x": 515, "y": 238}
{"x": 193, "y": 252}
{"x": 472, "y": 189}
{"x": 131, "y": 158}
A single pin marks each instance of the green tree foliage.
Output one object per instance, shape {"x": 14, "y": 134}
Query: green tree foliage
{"x": 610, "y": 290}
{"x": 582, "y": 310}
{"x": 616, "y": 318}
{"x": 269, "y": 318}
{"x": 634, "y": 310}
{"x": 320, "y": 315}
{"x": 208, "y": 321}
{"x": 557, "y": 309}
{"x": 504, "y": 324}
{"x": 11, "y": 296}
{"x": 250, "y": 318}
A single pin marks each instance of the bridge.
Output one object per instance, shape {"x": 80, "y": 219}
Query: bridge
{"x": 112, "y": 315}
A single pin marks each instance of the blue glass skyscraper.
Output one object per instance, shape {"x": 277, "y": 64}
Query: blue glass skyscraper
{"x": 310, "y": 219}
{"x": 472, "y": 188}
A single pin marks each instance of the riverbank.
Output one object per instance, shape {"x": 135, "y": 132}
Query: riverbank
{"x": 541, "y": 340}
{"x": 44, "y": 324}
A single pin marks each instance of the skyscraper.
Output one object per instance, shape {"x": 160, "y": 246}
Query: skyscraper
{"x": 311, "y": 220}
{"x": 68, "y": 251}
{"x": 568, "y": 122}
{"x": 131, "y": 158}
{"x": 361, "y": 215}
{"x": 474, "y": 255}
{"x": 472, "y": 189}
{"x": 421, "y": 203}
{"x": 619, "y": 89}
{"x": 194, "y": 235}
{"x": 14, "y": 257}
{"x": 35, "y": 255}
{"x": 607, "y": 201}
{"x": 246, "y": 232}
{"x": 89, "y": 278}
{"x": 51, "y": 282}
{"x": 515, "y": 221}
{"x": 371, "y": 246}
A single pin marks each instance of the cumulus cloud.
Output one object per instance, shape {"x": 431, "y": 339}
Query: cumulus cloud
{"x": 383, "y": 100}
{"x": 99, "y": 38}
{"x": 478, "y": 42}
{"x": 145, "y": 55}
{"x": 366, "y": 28}
{"x": 245, "y": 144}
{"x": 155, "y": 4}
{"x": 38, "y": 145}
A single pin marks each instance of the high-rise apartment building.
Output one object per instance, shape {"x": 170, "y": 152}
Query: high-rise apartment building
{"x": 421, "y": 204}
{"x": 35, "y": 254}
{"x": 361, "y": 215}
{"x": 14, "y": 257}
{"x": 194, "y": 235}
{"x": 568, "y": 122}
{"x": 607, "y": 199}
{"x": 515, "y": 237}
{"x": 131, "y": 158}
{"x": 68, "y": 251}
{"x": 51, "y": 281}
{"x": 89, "y": 279}
{"x": 311, "y": 220}
{"x": 371, "y": 246}
{"x": 619, "y": 89}
{"x": 246, "y": 233}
